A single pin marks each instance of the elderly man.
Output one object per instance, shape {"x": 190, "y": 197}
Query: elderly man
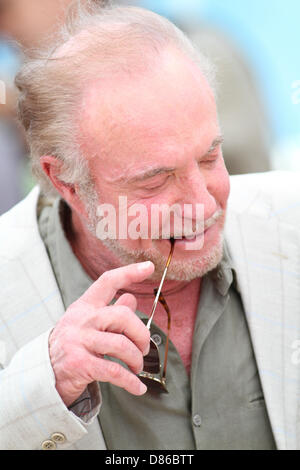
{"x": 122, "y": 108}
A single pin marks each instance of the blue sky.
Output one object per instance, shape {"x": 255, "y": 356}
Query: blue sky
{"x": 268, "y": 32}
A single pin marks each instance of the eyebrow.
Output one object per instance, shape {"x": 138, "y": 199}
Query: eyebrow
{"x": 144, "y": 175}
{"x": 216, "y": 142}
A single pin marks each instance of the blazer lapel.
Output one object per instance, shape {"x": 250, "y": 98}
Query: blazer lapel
{"x": 265, "y": 253}
{"x": 29, "y": 294}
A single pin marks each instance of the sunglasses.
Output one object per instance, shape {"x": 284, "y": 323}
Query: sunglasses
{"x": 152, "y": 363}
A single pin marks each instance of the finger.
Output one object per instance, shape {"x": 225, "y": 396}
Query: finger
{"x": 118, "y": 346}
{"x": 104, "y": 370}
{"x": 127, "y": 300}
{"x": 105, "y": 288}
{"x": 122, "y": 320}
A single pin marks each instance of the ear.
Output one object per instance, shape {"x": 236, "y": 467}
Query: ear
{"x": 69, "y": 192}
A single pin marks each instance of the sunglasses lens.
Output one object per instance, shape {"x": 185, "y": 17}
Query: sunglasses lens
{"x": 151, "y": 361}
{"x": 153, "y": 384}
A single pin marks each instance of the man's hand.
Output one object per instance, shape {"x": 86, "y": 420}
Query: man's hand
{"x": 91, "y": 328}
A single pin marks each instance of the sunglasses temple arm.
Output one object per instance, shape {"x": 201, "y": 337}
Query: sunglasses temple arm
{"x": 161, "y": 284}
{"x": 156, "y": 298}
{"x": 167, "y": 346}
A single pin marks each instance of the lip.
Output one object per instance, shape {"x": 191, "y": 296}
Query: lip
{"x": 187, "y": 241}
{"x": 185, "y": 245}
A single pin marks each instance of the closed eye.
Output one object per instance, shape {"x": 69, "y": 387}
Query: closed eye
{"x": 209, "y": 160}
{"x": 156, "y": 186}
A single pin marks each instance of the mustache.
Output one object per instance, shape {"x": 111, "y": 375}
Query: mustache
{"x": 213, "y": 219}
{"x": 192, "y": 228}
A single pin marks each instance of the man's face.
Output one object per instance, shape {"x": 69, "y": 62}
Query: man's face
{"x": 157, "y": 141}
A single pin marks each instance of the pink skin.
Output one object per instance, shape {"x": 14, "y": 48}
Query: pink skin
{"x": 168, "y": 119}
{"x": 157, "y": 121}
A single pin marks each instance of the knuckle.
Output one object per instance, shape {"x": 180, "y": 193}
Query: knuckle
{"x": 123, "y": 310}
{"x": 114, "y": 370}
{"x": 106, "y": 276}
{"x": 122, "y": 343}
{"x": 72, "y": 313}
{"x": 122, "y": 315}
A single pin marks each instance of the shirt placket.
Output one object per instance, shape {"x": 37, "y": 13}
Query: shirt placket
{"x": 209, "y": 313}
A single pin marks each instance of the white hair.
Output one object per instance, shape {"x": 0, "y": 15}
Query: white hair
{"x": 95, "y": 41}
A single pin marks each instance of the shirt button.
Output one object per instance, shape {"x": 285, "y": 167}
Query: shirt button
{"x": 58, "y": 437}
{"x": 157, "y": 339}
{"x": 48, "y": 445}
{"x": 197, "y": 420}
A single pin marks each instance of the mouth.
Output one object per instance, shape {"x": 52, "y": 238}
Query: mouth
{"x": 188, "y": 241}
{"x": 193, "y": 241}
{"x": 201, "y": 230}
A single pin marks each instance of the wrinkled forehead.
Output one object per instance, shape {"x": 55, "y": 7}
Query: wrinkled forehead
{"x": 158, "y": 107}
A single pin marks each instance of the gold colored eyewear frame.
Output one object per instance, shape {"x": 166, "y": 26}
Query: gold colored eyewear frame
{"x": 152, "y": 363}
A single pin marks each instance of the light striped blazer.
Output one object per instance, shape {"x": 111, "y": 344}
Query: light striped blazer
{"x": 263, "y": 237}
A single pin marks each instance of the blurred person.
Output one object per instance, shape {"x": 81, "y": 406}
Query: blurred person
{"x": 28, "y": 23}
{"x": 242, "y": 113}
{"x": 126, "y": 108}
{"x": 12, "y": 145}
{"x": 11, "y": 165}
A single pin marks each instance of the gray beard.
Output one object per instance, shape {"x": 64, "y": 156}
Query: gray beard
{"x": 178, "y": 270}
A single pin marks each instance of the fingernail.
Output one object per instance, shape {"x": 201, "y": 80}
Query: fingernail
{"x": 143, "y": 388}
{"x": 144, "y": 266}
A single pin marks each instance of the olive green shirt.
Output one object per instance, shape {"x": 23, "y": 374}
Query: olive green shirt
{"x": 219, "y": 406}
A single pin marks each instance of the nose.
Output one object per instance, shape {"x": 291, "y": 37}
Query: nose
{"x": 194, "y": 189}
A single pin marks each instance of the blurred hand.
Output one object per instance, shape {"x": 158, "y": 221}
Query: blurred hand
{"x": 91, "y": 328}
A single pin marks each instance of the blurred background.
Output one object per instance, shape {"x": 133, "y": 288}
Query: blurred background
{"x": 254, "y": 44}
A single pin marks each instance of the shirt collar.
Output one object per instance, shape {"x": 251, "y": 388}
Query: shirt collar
{"x": 75, "y": 281}
{"x": 224, "y": 275}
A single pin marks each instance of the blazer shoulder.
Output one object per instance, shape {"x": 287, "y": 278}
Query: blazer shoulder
{"x": 18, "y": 226}
{"x": 276, "y": 191}
{"x": 284, "y": 182}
